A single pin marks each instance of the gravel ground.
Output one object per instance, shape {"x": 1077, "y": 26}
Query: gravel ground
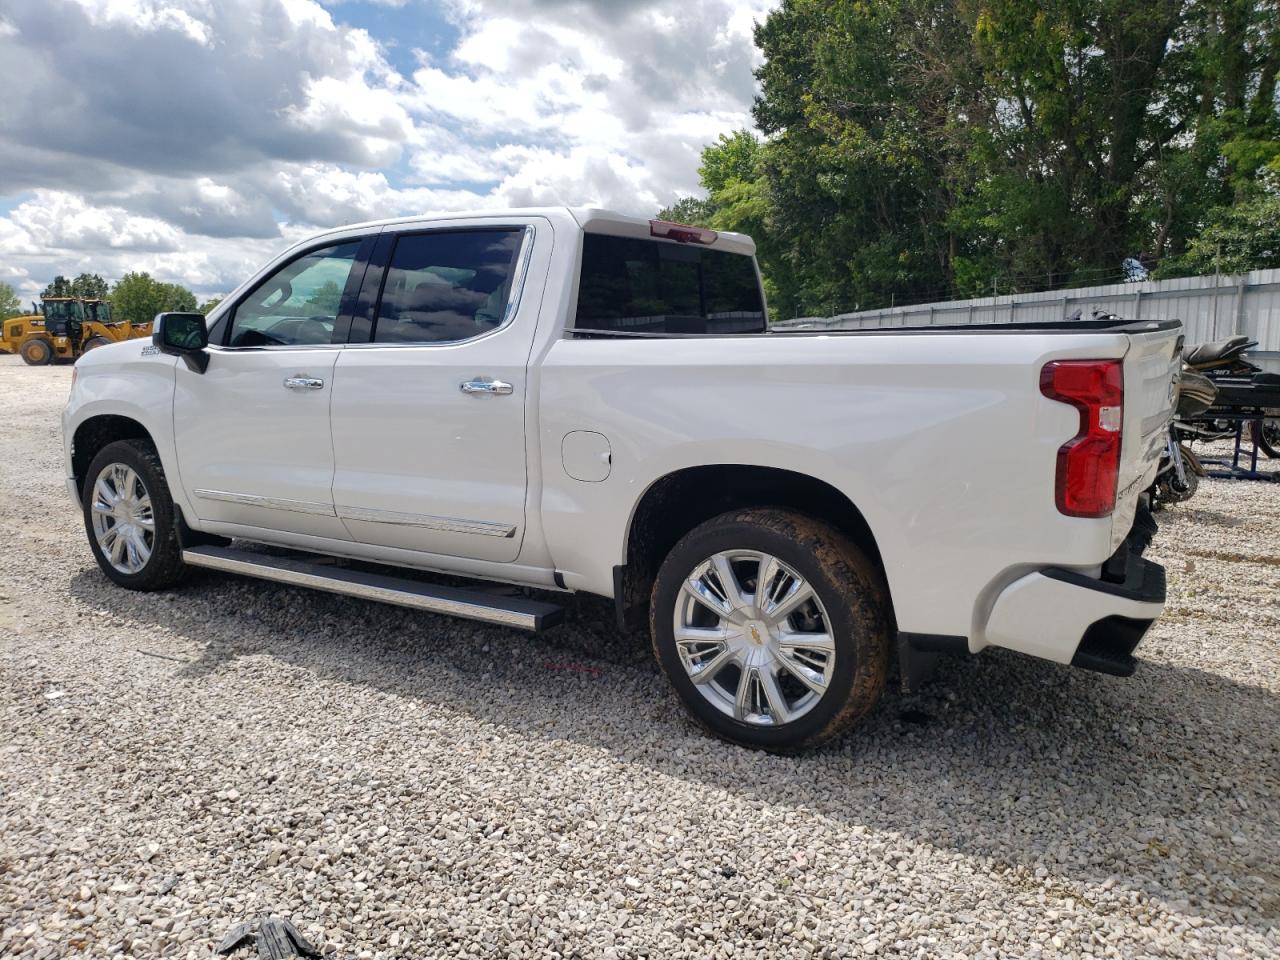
{"x": 404, "y": 785}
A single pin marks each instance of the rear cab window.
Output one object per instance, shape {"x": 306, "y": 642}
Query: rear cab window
{"x": 647, "y": 287}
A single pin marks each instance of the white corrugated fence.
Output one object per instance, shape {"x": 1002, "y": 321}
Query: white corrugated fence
{"x": 1210, "y": 308}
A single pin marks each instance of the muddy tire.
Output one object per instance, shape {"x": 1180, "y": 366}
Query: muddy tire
{"x": 37, "y": 352}
{"x": 130, "y": 518}
{"x": 93, "y": 343}
{"x": 773, "y": 627}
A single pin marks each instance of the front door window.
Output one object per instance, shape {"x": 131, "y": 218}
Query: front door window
{"x": 299, "y": 303}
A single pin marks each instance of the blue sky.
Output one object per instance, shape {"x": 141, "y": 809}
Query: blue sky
{"x": 195, "y": 139}
{"x": 404, "y": 30}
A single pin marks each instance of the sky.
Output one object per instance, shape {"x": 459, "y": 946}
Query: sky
{"x": 195, "y": 139}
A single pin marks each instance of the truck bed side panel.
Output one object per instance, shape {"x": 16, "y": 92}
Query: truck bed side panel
{"x": 943, "y": 442}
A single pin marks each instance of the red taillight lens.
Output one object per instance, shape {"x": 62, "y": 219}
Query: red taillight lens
{"x": 681, "y": 232}
{"x": 1089, "y": 464}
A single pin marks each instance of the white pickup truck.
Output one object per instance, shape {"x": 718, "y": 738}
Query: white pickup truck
{"x": 572, "y": 400}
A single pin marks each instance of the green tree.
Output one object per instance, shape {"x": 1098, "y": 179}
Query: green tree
{"x": 692, "y": 210}
{"x": 326, "y": 298}
{"x": 1237, "y": 239}
{"x": 207, "y": 307}
{"x": 865, "y": 157}
{"x": 926, "y": 149}
{"x": 60, "y": 286}
{"x": 138, "y": 297}
{"x": 10, "y": 304}
{"x": 733, "y": 156}
{"x": 89, "y": 286}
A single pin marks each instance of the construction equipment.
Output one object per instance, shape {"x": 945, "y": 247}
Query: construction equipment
{"x": 64, "y": 328}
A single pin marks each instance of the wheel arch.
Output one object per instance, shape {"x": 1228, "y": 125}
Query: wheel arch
{"x": 96, "y": 432}
{"x": 678, "y": 501}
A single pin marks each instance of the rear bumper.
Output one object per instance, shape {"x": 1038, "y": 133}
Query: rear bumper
{"x": 1090, "y": 622}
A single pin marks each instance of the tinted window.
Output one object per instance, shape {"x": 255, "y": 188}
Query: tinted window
{"x": 299, "y": 303}
{"x": 447, "y": 286}
{"x": 631, "y": 285}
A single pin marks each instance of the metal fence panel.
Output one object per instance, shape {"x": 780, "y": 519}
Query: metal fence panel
{"x": 1210, "y": 308}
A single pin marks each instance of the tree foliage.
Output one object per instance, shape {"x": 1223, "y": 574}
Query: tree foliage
{"x": 926, "y": 149}
{"x": 207, "y": 307}
{"x": 138, "y": 297}
{"x": 1238, "y": 239}
{"x": 89, "y": 286}
{"x": 60, "y": 286}
{"x": 326, "y": 298}
{"x": 10, "y": 304}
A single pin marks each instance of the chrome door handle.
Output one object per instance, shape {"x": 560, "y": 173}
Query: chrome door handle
{"x": 495, "y": 387}
{"x": 303, "y": 383}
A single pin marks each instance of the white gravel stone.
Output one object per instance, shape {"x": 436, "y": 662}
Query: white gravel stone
{"x": 403, "y": 785}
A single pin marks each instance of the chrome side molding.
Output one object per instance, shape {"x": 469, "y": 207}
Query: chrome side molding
{"x": 272, "y": 503}
{"x": 484, "y": 528}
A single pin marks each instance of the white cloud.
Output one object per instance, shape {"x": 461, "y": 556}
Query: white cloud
{"x": 62, "y": 221}
{"x": 146, "y": 16}
{"x": 193, "y": 138}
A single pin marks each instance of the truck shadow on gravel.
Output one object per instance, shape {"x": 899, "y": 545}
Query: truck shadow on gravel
{"x": 1165, "y": 783}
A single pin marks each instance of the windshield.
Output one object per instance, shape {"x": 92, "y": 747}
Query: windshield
{"x": 63, "y": 310}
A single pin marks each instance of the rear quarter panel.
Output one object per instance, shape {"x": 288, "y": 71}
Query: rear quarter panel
{"x": 942, "y": 441}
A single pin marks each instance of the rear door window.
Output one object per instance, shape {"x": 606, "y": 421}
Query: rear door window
{"x": 447, "y": 286}
{"x": 630, "y": 285}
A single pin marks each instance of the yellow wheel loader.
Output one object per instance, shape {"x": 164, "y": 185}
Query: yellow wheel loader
{"x": 64, "y": 328}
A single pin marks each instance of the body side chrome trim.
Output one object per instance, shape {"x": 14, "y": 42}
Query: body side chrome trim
{"x": 449, "y": 524}
{"x": 271, "y": 503}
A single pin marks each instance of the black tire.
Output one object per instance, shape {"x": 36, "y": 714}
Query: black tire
{"x": 1266, "y": 435}
{"x": 36, "y": 352}
{"x": 93, "y": 343}
{"x": 164, "y": 568}
{"x": 851, "y": 591}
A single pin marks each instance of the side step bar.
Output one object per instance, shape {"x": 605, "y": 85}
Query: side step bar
{"x": 517, "y": 612}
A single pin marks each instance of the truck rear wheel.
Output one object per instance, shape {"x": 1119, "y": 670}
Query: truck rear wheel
{"x": 130, "y": 517}
{"x": 36, "y": 352}
{"x": 773, "y": 628}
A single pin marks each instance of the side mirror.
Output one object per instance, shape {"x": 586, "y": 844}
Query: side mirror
{"x": 182, "y": 335}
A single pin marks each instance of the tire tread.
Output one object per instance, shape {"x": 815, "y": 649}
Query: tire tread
{"x": 861, "y": 588}
{"x": 165, "y": 569}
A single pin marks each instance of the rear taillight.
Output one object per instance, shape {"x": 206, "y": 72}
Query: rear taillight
{"x": 1089, "y": 464}
{"x": 681, "y": 232}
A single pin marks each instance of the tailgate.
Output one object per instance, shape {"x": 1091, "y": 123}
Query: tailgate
{"x": 1151, "y": 368}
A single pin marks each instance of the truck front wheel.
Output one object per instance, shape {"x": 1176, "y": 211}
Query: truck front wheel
{"x": 130, "y": 517}
{"x": 773, "y": 627}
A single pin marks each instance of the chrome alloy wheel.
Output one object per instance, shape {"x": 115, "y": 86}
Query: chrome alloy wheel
{"x": 754, "y": 637}
{"x": 123, "y": 522}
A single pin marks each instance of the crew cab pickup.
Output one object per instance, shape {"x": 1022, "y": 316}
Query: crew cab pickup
{"x": 573, "y": 400}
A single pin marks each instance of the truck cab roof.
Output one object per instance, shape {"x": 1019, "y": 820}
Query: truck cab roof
{"x": 588, "y": 219}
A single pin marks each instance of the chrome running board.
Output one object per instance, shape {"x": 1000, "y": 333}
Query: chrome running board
{"x": 518, "y": 612}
